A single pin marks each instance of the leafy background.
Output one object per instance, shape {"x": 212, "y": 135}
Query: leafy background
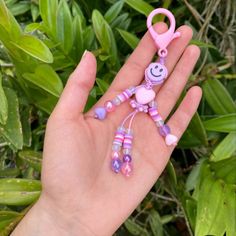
{"x": 42, "y": 42}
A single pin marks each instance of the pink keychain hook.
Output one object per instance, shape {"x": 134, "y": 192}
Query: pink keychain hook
{"x": 162, "y": 40}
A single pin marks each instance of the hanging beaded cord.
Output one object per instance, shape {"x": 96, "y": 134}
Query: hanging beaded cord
{"x": 144, "y": 95}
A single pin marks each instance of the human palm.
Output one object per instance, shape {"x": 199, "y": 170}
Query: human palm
{"x": 78, "y": 184}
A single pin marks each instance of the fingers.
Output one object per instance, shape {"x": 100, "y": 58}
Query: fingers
{"x": 173, "y": 87}
{"x": 74, "y": 96}
{"x": 183, "y": 115}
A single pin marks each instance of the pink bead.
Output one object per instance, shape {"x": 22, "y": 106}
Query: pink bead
{"x": 115, "y": 154}
{"x": 144, "y": 96}
{"x": 126, "y": 169}
{"x": 171, "y": 140}
{"x": 109, "y": 106}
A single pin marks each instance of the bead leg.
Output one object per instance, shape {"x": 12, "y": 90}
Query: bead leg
{"x": 163, "y": 128}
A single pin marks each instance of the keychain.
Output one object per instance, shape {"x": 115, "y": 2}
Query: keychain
{"x": 143, "y": 101}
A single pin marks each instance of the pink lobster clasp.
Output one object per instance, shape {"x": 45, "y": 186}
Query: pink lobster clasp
{"x": 162, "y": 40}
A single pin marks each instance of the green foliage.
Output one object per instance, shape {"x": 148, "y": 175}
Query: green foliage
{"x": 41, "y": 42}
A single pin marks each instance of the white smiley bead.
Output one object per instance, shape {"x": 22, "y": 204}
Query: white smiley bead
{"x": 156, "y": 73}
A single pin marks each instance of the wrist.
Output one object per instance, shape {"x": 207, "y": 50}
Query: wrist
{"x": 44, "y": 219}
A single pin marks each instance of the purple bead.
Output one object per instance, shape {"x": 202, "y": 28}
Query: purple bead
{"x": 100, "y": 113}
{"x": 116, "y": 164}
{"x": 127, "y": 158}
{"x": 164, "y": 130}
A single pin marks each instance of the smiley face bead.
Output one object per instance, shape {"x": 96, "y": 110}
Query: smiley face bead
{"x": 156, "y": 73}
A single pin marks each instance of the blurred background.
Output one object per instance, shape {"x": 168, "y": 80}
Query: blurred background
{"x": 42, "y": 41}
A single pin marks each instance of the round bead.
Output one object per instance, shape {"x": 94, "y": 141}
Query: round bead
{"x": 116, "y": 164}
{"x": 100, "y": 113}
{"x": 164, "y": 130}
{"x": 109, "y": 106}
{"x": 159, "y": 123}
{"x": 126, "y": 151}
{"x": 132, "y": 89}
{"x": 127, "y": 158}
{"x": 126, "y": 169}
{"x": 116, "y": 101}
{"x": 115, "y": 154}
{"x": 116, "y": 147}
{"x": 153, "y": 104}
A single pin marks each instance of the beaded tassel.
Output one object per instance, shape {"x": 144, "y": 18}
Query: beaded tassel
{"x": 127, "y": 146}
{"x": 116, "y": 149}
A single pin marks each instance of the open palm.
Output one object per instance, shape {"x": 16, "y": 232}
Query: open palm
{"x": 78, "y": 185}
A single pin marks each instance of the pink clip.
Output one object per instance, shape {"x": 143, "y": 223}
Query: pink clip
{"x": 162, "y": 40}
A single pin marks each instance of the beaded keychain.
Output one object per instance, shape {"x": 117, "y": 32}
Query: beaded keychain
{"x": 155, "y": 74}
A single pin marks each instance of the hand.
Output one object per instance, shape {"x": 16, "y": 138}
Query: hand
{"x": 81, "y": 195}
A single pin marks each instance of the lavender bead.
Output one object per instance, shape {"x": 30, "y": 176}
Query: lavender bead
{"x": 126, "y": 151}
{"x": 127, "y": 158}
{"x": 153, "y": 104}
{"x": 100, "y": 113}
{"x": 116, "y": 164}
{"x": 164, "y": 130}
{"x": 116, "y": 101}
{"x": 116, "y": 147}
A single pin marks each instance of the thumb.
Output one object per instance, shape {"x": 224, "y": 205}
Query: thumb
{"x": 75, "y": 94}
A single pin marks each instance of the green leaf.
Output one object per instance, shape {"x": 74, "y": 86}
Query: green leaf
{"x": 78, "y": 37}
{"x": 6, "y": 217}
{"x": 19, "y": 192}
{"x": 230, "y": 210}
{"x": 129, "y": 38}
{"x": 140, "y": 6}
{"x": 89, "y": 37}
{"x": 171, "y": 173}
{"x": 191, "y": 210}
{"x": 194, "y": 175}
{"x": 114, "y": 11}
{"x": 34, "y": 159}
{"x": 218, "y": 97}
{"x": 48, "y": 12}
{"x": 26, "y": 125}
{"x": 9, "y": 22}
{"x": 225, "y": 170}
{"x": 47, "y": 104}
{"x": 34, "y": 11}
{"x": 34, "y": 47}
{"x": 134, "y": 228}
{"x": 12, "y": 130}
{"x": 209, "y": 212}
{"x": 9, "y": 173}
{"x": 32, "y": 27}
{"x": 64, "y": 26}
{"x": 3, "y": 104}
{"x": 225, "y": 149}
{"x": 198, "y": 130}
{"x": 202, "y": 44}
{"x": 105, "y": 36}
{"x": 20, "y": 8}
{"x": 103, "y": 86}
{"x": 46, "y": 78}
{"x": 155, "y": 223}
{"x": 226, "y": 123}
{"x": 76, "y": 11}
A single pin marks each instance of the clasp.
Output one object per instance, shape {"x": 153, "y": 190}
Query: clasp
{"x": 162, "y": 40}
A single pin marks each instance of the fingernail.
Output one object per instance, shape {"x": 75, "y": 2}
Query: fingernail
{"x": 84, "y": 54}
